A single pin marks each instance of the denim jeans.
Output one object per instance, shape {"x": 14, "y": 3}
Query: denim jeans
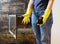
{"x": 42, "y": 33}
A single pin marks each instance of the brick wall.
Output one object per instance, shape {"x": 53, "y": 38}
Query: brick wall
{"x": 15, "y": 7}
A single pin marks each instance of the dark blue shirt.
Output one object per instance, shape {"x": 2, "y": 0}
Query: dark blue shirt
{"x": 40, "y": 4}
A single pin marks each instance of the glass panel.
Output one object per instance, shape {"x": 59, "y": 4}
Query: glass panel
{"x": 12, "y": 25}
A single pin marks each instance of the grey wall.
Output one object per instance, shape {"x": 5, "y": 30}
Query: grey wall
{"x": 17, "y": 7}
{"x": 11, "y": 7}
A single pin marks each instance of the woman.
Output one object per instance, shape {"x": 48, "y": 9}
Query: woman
{"x": 38, "y": 9}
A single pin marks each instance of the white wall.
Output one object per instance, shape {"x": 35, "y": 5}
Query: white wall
{"x": 55, "y": 37}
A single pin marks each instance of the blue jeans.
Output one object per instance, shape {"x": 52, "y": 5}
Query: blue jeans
{"x": 42, "y": 33}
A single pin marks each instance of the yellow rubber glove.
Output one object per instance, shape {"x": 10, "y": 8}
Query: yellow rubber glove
{"x": 27, "y": 16}
{"x": 45, "y": 16}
